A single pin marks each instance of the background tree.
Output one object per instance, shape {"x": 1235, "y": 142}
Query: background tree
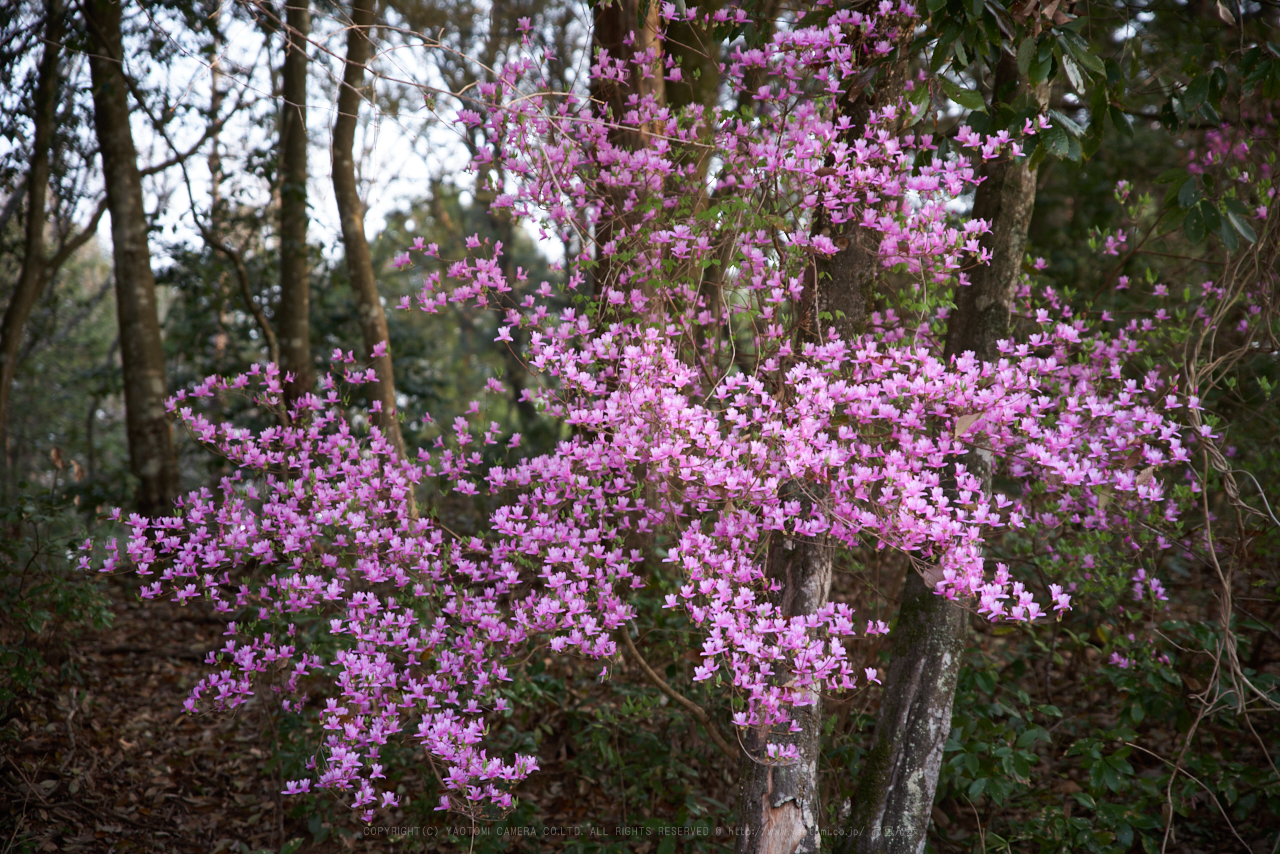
{"x": 151, "y": 451}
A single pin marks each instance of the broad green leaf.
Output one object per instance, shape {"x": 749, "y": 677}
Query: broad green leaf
{"x": 1189, "y": 193}
{"x": 1196, "y": 92}
{"x": 1079, "y": 50}
{"x": 966, "y": 98}
{"x": 1055, "y": 139}
{"x": 1212, "y": 219}
{"x": 1042, "y": 66}
{"x": 1241, "y": 225}
{"x": 1193, "y": 225}
{"x": 1069, "y": 125}
{"x": 1026, "y": 53}
{"x": 1037, "y": 156}
{"x": 1228, "y": 234}
{"x": 1122, "y": 120}
{"x": 1073, "y": 73}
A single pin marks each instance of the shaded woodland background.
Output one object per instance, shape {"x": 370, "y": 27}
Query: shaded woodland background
{"x": 238, "y": 137}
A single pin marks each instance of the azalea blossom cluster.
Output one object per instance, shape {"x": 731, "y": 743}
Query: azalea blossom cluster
{"x": 698, "y": 424}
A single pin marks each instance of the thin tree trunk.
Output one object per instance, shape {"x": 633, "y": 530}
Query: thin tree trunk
{"x": 892, "y": 806}
{"x": 31, "y": 278}
{"x": 151, "y": 454}
{"x": 293, "y": 325}
{"x": 780, "y": 808}
{"x": 612, "y": 24}
{"x": 373, "y": 319}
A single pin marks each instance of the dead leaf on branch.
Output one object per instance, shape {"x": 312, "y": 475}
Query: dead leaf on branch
{"x": 964, "y": 422}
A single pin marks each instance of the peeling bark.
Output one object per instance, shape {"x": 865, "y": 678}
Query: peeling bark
{"x": 151, "y": 454}
{"x": 373, "y": 318}
{"x": 780, "y": 806}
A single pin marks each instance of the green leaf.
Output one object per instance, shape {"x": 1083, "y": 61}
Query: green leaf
{"x": 935, "y": 5}
{"x": 1026, "y": 53}
{"x": 1003, "y": 19}
{"x": 966, "y": 98}
{"x": 1217, "y": 84}
{"x": 1193, "y": 225}
{"x": 1212, "y": 219}
{"x": 1031, "y": 735}
{"x": 1091, "y": 142}
{"x": 1073, "y": 73}
{"x": 1037, "y": 157}
{"x": 1069, "y": 125}
{"x": 1196, "y": 93}
{"x": 1189, "y": 193}
{"x": 1042, "y": 66}
{"x": 977, "y": 787}
{"x": 1079, "y": 50}
{"x": 1228, "y": 235}
{"x": 1171, "y": 176}
{"x": 1122, "y": 120}
{"x": 1240, "y": 224}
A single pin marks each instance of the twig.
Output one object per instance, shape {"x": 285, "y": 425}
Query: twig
{"x": 661, "y": 684}
{"x": 1197, "y": 780}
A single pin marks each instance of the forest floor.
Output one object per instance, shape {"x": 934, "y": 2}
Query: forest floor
{"x": 105, "y": 759}
{"x": 109, "y": 761}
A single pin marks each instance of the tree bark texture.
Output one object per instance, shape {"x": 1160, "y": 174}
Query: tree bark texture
{"x": 151, "y": 454}
{"x": 293, "y": 323}
{"x": 896, "y": 785}
{"x": 1006, "y": 199}
{"x": 779, "y": 806}
{"x": 31, "y": 277}
{"x": 373, "y": 318}
{"x": 612, "y": 23}
{"x": 845, "y": 281}
{"x": 894, "y": 799}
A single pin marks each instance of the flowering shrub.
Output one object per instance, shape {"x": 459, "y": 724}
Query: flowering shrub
{"x": 698, "y": 422}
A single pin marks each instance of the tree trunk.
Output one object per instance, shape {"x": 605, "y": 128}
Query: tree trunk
{"x": 31, "y": 278}
{"x": 1006, "y": 199}
{"x": 373, "y": 319}
{"x": 894, "y": 799}
{"x": 897, "y": 782}
{"x": 293, "y": 324}
{"x": 612, "y": 23}
{"x": 780, "y": 808}
{"x": 151, "y": 454}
